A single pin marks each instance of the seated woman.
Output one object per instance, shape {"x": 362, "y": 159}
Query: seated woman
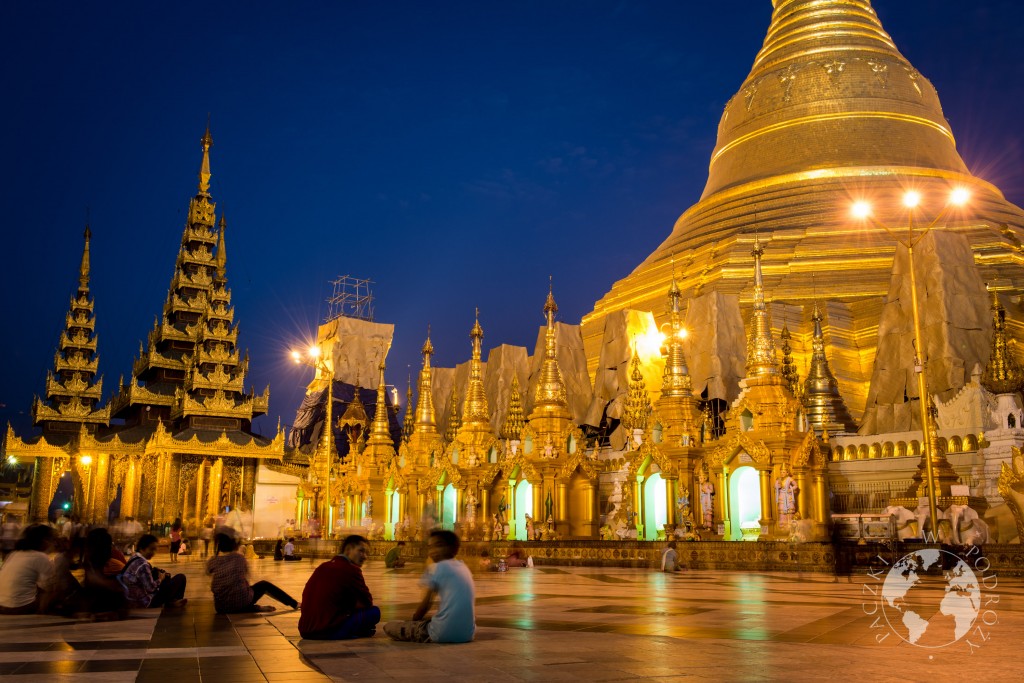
{"x": 26, "y": 573}
{"x": 230, "y": 584}
{"x": 63, "y": 594}
{"x": 103, "y": 595}
{"x": 278, "y": 551}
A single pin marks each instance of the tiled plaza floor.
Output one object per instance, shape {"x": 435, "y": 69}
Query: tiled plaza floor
{"x": 538, "y": 624}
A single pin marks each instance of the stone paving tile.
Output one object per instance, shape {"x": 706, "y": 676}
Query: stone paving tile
{"x": 570, "y": 624}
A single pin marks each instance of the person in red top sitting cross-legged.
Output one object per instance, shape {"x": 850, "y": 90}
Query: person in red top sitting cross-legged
{"x": 336, "y": 604}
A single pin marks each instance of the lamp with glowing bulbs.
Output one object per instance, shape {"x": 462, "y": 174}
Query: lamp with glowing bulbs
{"x": 912, "y": 200}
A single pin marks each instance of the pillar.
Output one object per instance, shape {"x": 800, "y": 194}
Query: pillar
{"x": 200, "y": 482}
{"x": 213, "y": 490}
{"x": 41, "y": 494}
{"x": 672, "y": 492}
{"x": 821, "y": 506}
{"x": 722, "y": 489}
{"x": 130, "y": 492}
{"x": 561, "y": 506}
{"x": 638, "y": 506}
{"x": 485, "y": 510}
{"x": 590, "y": 509}
{"x": 767, "y": 501}
{"x": 100, "y": 496}
{"x": 804, "y": 495}
{"x": 510, "y": 513}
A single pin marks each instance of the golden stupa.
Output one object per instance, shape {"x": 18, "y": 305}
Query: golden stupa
{"x": 830, "y": 113}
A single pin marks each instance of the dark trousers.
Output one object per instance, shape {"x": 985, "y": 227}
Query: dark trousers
{"x": 292, "y": 558}
{"x": 360, "y": 624}
{"x": 172, "y": 588}
{"x": 261, "y": 588}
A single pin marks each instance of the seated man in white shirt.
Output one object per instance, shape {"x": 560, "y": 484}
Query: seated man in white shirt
{"x": 27, "y": 571}
{"x": 289, "y": 551}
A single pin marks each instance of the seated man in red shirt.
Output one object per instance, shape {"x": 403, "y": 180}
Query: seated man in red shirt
{"x": 336, "y": 604}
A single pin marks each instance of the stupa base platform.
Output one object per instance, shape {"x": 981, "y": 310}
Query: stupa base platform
{"x": 761, "y": 556}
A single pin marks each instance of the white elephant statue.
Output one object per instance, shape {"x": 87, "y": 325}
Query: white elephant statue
{"x": 966, "y": 526}
{"x": 906, "y": 521}
{"x": 923, "y": 513}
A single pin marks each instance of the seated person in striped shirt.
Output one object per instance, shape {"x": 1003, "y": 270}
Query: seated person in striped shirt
{"x": 146, "y": 586}
{"x": 230, "y": 584}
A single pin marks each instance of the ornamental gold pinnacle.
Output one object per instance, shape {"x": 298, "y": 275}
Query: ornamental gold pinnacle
{"x": 1003, "y": 374}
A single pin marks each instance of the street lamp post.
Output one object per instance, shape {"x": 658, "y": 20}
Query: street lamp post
{"x": 314, "y": 359}
{"x": 911, "y": 200}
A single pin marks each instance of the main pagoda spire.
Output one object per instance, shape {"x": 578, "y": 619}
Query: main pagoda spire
{"x": 73, "y": 390}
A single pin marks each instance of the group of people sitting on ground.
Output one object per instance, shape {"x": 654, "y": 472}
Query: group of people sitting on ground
{"x": 31, "y": 582}
{"x": 285, "y": 551}
{"x": 338, "y": 604}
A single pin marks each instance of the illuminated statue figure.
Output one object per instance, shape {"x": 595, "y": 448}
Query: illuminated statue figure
{"x": 531, "y": 534}
{"x": 785, "y": 495}
{"x": 498, "y": 528}
{"x": 502, "y": 506}
{"x": 707, "y": 495}
{"x": 471, "y": 508}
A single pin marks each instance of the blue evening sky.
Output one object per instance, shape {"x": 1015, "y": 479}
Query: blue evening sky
{"x": 456, "y": 153}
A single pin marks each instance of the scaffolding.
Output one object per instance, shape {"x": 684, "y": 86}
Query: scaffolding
{"x": 351, "y": 298}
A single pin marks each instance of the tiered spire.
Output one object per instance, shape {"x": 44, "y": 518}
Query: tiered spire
{"x": 514, "y": 423}
{"x": 826, "y": 409}
{"x": 1003, "y": 374}
{"x": 676, "y": 406}
{"x": 409, "y": 424}
{"x": 380, "y": 447}
{"x": 549, "y": 399}
{"x": 638, "y": 403}
{"x": 761, "y": 359}
{"x": 475, "y": 414}
{"x": 73, "y": 391}
{"x": 426, "y": 423}
{"x": 676, "y": 380}
{"x": 197, "y": 338}
{"x": 789, "y": 371}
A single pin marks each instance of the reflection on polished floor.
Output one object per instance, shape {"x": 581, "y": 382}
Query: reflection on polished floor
{"x": 544, "y": 623}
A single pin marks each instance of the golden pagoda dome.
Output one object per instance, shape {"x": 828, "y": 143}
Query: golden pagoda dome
{"x": 830, "y": 113}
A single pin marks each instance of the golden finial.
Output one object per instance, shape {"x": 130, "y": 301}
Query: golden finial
{"x": 222, "y": 252}
{"x": 477, "y": 332}
{"x": 550, "y": 307}
{"x": 428, "y": 349}
{"x": 1003, "y": 374}
{"x": 820, "y": 391}
{"x": 83, "y": 271}
{"x": 204, "y": 168}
